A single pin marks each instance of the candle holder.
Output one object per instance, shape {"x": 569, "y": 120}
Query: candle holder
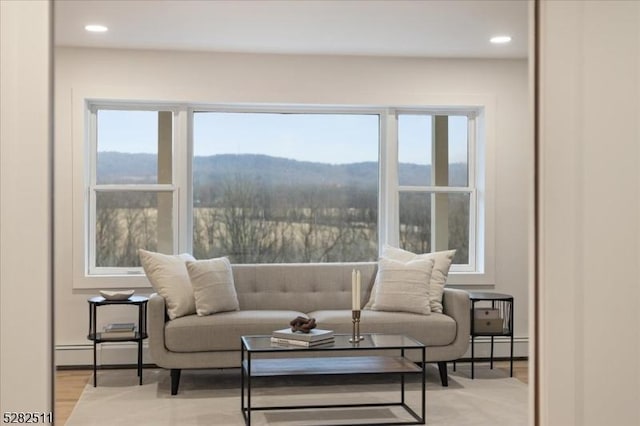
{"x": 355, "y": 335}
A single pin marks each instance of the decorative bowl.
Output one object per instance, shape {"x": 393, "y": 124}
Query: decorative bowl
{"x": 117, "y": 295}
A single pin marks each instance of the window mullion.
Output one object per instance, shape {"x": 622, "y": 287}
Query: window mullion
{"x": 91, "y": 244}
{"x": 436, "y": 189}
{"x": 388, "y": 198}
{"x": 474, "y": 224}
{"x": 135, "y": 188}
{"x": 184, "y": 167}
{"x": 90, "y": 176}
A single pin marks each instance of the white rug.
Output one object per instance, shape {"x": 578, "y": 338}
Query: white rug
{"x": 212, "y": 397}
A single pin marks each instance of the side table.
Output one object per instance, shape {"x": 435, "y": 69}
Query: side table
{"x": 140, "y": 335}
{"x": 491, "y": 315}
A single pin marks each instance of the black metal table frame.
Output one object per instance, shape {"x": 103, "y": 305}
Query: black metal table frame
{"x": 141, "y": 334}
{"x": 247, "y": 409}
{"x": 501, "y": 298}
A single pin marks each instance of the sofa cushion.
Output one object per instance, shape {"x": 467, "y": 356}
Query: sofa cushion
{"x": 432, "y": 330}
{"x": 222, "y": 331}
{"x": 168, "y": 277}
{"x": 305, "y": 287}
{"x": 403, "y": 286}
{"x": 213, "y": 287}
{"x": 439, "y": 274}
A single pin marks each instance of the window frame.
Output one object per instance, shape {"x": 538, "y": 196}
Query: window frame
{"x": 471, "y": 188}
{"x": 279, "y": 109}
{"x": 93, "y": 188}
{"x": 388, "y": 226}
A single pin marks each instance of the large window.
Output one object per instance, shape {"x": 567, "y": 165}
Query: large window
{"x": 272, "y": 187}
{"x": 131, "y": 191}
{"x": 265, "y": 185}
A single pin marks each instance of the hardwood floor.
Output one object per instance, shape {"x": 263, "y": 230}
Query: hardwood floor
{"x": 69, "y": 387}
{"x": 71, "y": 383}
{"x": 520, "y": 369}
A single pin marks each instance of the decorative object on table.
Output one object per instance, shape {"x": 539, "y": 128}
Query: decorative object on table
{"x": 303, "y": 324}
{"x": 303, "y": 343}
{"x": 313, "y": 335}
{"x": 487, "y": 320}
{"x": 355, "y": 306}
{"x": 126, "y": 330}
{"x": 117, "y": 295}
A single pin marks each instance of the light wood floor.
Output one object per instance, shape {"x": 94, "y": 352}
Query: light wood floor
{"x": 71, "y": 383}
{"x": 69, "y": 387}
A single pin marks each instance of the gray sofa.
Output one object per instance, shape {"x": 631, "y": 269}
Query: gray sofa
{"x": 271, "y": 295}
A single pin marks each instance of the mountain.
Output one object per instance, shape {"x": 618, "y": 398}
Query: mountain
{"x": 123, "y": 167}
{"x": 283, "y": 172}
{"x": 118, "y": 167}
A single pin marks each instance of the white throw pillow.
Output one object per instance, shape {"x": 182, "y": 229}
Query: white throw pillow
{"x": 441, "y": 265}
{"x": 403, "y": 286}
{"x": 213, "y": 286}
{"x": 169, "y": 278}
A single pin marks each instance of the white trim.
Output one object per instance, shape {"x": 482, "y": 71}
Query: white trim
{"x": 388, "y": 212}
{"x": 92, "y": 188}
{"x": 474, "y": 265}
{"x": 474, "y": 207}
{"x": 184, "y": 154}
{"x": 134, "y": 188}
{"x": 501, "y": 348}
{"x": 288, "y": 108}
{"x": 116, "y": 353}
{"x": 90, "y": 179}
{"x": 437, "y": 189}
{"x": 125, "y": 352}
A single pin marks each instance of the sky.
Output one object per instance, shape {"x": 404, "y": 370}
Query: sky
{"x": 326, "y": 138}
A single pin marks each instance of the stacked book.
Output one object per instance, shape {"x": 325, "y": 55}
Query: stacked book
{"x": 314, "y": 337}
{"x": 126, "y": 330}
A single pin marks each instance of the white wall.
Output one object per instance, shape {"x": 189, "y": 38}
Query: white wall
{"x": 25, "y": 214}
{"x": 246, "y": 78}
{"x": 589, "y": 288}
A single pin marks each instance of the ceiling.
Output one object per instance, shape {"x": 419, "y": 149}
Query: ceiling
{"x": 430, "y": 28}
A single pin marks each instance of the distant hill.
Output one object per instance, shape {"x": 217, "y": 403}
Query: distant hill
{"x": 122, "y": 167}
{"x": 118, "y": 167}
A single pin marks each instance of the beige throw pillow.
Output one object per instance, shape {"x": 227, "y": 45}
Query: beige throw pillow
{"x": 213, "y": 286}
{"x": 403, "y": 286}
{"x": 442, "y": 264}
{"x": 169, "y": 278}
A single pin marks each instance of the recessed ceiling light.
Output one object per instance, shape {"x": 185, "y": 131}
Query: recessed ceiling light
{"x": 96, "y": 28}
{"x": 500, "y": 39}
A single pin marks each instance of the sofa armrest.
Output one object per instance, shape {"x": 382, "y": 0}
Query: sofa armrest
{"x": 156, "y": 318}
{"x": 457, "y": 305}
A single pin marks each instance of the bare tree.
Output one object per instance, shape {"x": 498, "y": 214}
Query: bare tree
{"x": 242, "y": 231}
{"x": 107, "y": 236}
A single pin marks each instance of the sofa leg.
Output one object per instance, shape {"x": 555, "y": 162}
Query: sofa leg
{"x": 175, "y": 380}
{"x": 442, "y": 367}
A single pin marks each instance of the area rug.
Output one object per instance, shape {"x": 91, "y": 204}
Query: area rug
{"x": 212, "y": 397}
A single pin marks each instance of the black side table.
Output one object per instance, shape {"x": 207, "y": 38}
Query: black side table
{"x": 140, "y": 335}
{"x": 498, "y": 310}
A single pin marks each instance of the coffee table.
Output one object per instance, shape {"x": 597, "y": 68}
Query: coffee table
{"x": 388, "y": 359}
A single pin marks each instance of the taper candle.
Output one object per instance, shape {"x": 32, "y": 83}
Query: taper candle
{"x": 357, "y": 308}
{"x": 353, "y": 290}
